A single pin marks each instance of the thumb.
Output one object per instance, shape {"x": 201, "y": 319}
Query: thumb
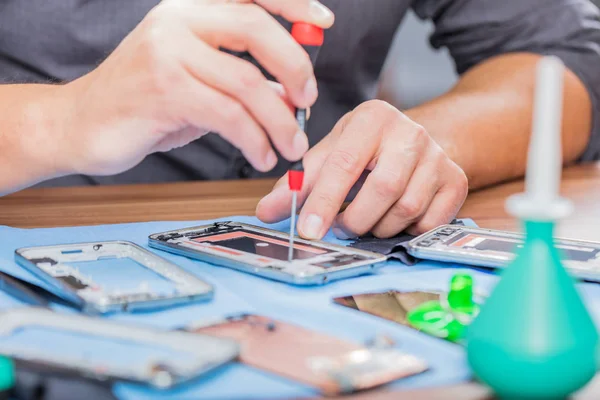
{"x": 275, "y": 206}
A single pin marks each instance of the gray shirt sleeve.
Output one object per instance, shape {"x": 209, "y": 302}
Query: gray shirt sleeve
{"x": 475, "y": 30}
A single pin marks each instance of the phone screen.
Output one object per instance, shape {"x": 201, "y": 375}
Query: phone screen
{"x": 262, "y": 245}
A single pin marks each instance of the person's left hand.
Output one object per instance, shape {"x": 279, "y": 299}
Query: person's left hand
{"x": 412, "y": 183}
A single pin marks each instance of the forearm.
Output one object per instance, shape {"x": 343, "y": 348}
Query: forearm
{"x": 32, "y": 145}
{"x": 484, "y": 122}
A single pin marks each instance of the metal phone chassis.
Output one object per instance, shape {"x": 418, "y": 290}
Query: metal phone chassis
{"x": 298, "y": 272}
{"x": 481, "y": 259}
{"x": 207, "y": 352}
{"x": 188, "y": 287}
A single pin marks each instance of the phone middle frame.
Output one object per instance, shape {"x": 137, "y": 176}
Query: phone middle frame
{"x": 292, "y": 275}
{"x": 195, "y": 288}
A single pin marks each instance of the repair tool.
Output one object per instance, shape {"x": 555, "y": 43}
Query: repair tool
{"x": 534, "y": 338}
{"x": 448, "y": 316}
{"x": 7, "y": 378}
{"x": 311, "y": 38}
{"x": 295, "y": 179}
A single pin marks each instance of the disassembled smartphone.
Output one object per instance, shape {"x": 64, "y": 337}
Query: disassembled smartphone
{"x": 494, "y": 249}
{"x": 332, "y": 365}
{"x": 432, "y": 313}
{"x": 203, "y": 352}
{"x": 391, "y": 305}
{"x": 264, "y": 252}
{"x": 91, "y": 276}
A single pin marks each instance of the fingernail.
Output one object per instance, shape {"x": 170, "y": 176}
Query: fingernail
{"x": 311, "y": 227}
{"x": 300, "y": 143}
{"x": 270, "y": 160}
{"x": 320, "y": 12}
{"x": 310, "y": 91}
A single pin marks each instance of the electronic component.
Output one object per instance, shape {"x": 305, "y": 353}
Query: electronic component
{"x": 264, "y": 252}
{"x": 91, "y": 276}
{"x": 203, "y": 353}
{"x": 334, "y": 366}
{"x": 494, "y": 249}
{"x": 449, "y": 316}
{"x": 441, "y": 314}
{"x": 391, "y": 305}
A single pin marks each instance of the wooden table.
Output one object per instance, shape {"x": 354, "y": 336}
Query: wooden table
{"x": 205, "y": 200}
{"x": 581, "y": 184}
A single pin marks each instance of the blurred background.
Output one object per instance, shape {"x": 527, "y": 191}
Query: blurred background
{"x": 415, "y": 69}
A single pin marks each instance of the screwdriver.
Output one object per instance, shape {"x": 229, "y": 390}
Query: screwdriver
{"x": 311, "y": 38}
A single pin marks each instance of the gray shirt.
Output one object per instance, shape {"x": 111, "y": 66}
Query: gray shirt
{"x": 60, "y": 40}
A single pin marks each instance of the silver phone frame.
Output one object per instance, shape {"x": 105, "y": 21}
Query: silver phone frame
{"x": 296, "y": 272}
{"x": 208, "y": 352}
{"x": 188, "y": 287}
{"x": 480, "y": 259}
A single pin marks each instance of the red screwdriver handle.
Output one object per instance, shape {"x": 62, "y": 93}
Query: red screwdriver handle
{"x": 296, "y": 176}
{"x": 311, "y": 38}
{"x": 307, "y": 34}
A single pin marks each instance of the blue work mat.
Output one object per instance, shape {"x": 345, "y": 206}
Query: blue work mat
{"x": 236, "y": 292}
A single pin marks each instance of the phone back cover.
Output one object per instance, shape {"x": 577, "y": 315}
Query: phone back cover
{"x": 287, "y": 349}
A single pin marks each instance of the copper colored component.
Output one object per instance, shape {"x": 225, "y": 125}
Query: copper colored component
{"x": 330, "y": 364}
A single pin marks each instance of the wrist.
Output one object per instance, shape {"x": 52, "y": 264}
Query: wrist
{"x": 44, "y": 142}
{"x": 31, "y": 135}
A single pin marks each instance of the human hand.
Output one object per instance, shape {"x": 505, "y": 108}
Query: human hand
{"x": 168, "y": 84}
{"x": 412, "y": 183}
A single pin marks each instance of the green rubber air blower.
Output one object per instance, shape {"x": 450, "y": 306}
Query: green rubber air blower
{"x": 533, "y": 337}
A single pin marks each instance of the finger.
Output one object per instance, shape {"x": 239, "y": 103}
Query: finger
{"x": 352, "y": 151}
{"x": 310, "y": 11}
{"x": 272, "y": 208}
{"x": 384, "y": 185}
{"x": 443, "y": 208}
{"x": 209, "y": 109}
{"x": 250, "y": 28}
{"x": 244, "y": 82}
{"x": 281, "y": 92}
{"x": 415, "y": 201}
{"x": 275, "y": 206}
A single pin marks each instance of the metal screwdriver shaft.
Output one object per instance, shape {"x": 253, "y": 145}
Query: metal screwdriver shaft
{"x": 311, "y": 38}
{"x": 295, "y": 178}
{"x": 292, "y": 225}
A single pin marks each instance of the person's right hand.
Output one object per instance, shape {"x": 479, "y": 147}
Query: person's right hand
{"x": 168, "y": 84}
